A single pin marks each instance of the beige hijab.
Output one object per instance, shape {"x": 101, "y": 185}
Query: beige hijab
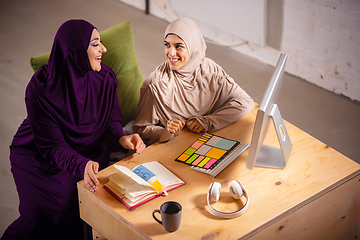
{"x": 201, "y": 89}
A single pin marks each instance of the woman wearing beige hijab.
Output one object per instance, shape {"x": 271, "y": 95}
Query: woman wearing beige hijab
{"x": 188, "y": 89}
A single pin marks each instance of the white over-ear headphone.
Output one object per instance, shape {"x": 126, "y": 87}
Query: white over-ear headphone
{"x": 236, "y": 189}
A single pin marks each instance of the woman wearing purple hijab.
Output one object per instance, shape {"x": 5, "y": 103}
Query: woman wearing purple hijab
{"x": 73, "y": 123}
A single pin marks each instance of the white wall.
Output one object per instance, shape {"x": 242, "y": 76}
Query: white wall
{"x": 229, "y": 15}
{"x": 322, "y": 38}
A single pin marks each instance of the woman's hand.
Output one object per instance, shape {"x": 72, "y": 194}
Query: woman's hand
{"x": 194, "y": 126}
{"x": 175, "y": 125}
{"x": 133, "y": 142}
{"x": 91, "y": 169}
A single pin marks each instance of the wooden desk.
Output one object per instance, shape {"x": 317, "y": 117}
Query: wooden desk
{"x": 316, "y": 196}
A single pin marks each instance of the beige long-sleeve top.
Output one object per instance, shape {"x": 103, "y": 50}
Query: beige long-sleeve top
{"x": 215, "y": 100}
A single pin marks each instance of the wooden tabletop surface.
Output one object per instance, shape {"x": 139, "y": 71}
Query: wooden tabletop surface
{"x": 313, "y": 169}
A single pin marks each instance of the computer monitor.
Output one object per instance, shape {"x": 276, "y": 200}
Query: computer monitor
{"x": 262, "y": 155}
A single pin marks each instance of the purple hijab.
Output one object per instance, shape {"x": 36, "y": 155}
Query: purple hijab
{"x": 77, "y": 97}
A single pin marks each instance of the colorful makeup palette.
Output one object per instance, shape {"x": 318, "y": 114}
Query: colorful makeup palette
{"x": 207, "y": 151}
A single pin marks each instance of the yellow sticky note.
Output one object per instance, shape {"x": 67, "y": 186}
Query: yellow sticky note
{"x": 157, "y": 185}
{"x": 215, "y": 153}
{"x": 183, "y": 157}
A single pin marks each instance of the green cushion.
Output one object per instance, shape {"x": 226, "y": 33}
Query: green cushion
{"x": 121, "y": 58}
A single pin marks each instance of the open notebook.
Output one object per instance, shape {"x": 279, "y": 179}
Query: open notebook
{"x": 210, "y": 153}
{"x": 141, "y": 184}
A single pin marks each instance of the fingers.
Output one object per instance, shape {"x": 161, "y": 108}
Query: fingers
{"x": 175, "y": 126}
{"x": 139, "y": 144}
{"x": 126, "y": 142}
{"x": 95, "y": 167}
{"x": 191, "y": 124}
{"x": 133, "y": 142}
{"x": 91, "y": 169}
{"x": 194, "y": 126}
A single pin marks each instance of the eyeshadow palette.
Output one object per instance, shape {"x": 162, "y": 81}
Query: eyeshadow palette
{"x": 207, "y": 151}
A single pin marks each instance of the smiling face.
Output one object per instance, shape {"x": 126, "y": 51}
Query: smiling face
{"x": 176, "y": 52}
{"x": 95, "y": 51}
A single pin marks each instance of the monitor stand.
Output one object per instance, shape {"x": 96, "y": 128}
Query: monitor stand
{"x": 273, "y": 157}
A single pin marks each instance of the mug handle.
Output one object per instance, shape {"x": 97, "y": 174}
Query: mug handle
{"x": 153, "y": 214}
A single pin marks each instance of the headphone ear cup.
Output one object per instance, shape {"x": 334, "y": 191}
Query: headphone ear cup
{"x": 214, "y": 191}
{"x": 235, "y": 189}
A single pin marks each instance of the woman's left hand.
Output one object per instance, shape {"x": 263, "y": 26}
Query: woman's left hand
{"x": 91, "y": 169}
{"x": 133, "y": 142}
{"x": 194, "y": 125}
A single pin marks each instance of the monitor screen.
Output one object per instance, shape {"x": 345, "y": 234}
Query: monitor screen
{"x": 262, "y": 155}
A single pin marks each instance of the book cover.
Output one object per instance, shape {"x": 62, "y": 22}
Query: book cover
{"x": 141, "y": 184}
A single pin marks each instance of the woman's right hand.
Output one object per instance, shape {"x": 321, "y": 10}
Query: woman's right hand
{"x": 91, "y": 169}
{"x": 175, "y": 125}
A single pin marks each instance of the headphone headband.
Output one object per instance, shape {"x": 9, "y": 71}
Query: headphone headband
{"x": 236, "y": 189}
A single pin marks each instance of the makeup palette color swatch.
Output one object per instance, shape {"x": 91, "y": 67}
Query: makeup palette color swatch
{"x": 207, "y": 151}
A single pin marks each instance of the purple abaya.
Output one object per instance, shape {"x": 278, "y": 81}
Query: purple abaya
{"x": 73, "y": 117}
